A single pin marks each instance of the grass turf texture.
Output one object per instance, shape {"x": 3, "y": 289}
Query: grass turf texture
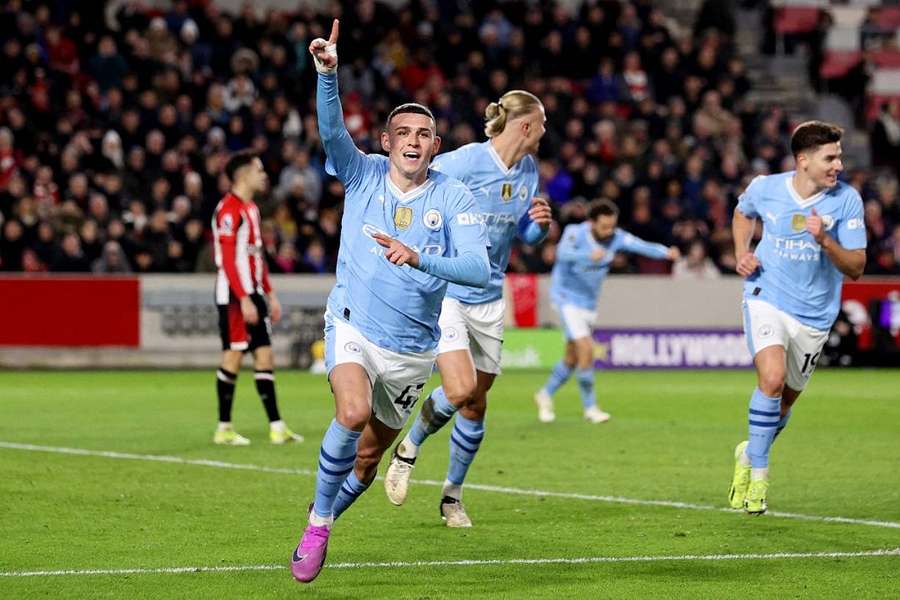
{"x": 671, "y": 438}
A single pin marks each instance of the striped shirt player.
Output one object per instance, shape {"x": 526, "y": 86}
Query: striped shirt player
{"x": 242, "y": 288}
{"x": 583, "y": 258}
{"x": 502, "y": 174}
{"x": 241, "y": 272}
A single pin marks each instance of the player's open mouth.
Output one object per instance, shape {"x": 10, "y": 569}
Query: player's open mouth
{"x": 412, "y": 155}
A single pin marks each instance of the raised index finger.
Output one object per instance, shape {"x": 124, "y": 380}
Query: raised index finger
{"x": 332, "y": 39}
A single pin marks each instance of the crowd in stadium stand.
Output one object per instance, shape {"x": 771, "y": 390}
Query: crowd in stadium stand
{"x": 115, "y": 125}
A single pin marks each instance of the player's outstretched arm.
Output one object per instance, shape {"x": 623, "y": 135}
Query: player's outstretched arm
{"x": 470, "y": 266}
{"x": 343, "y": 156}
{"x": 635, "y": 245}
{"x": 742, "y": 228}
{"x": 850, "y": 262}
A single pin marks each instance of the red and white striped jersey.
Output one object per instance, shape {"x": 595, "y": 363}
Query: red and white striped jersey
{"x": 239, "y": 250}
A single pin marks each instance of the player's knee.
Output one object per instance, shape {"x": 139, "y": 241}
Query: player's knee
{"x": 771, "y": 383}
{"x": 461, "y": 393}
{"x": 353, "y": 416}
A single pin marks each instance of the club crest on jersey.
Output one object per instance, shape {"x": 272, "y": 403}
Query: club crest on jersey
{"x": 828, "y": 222}
{"x": 433, "y": 219}
{"x": 403, "y": 217}
{"x": 798, "y": 222}
{"x": 506, "y": 192}
{"x": 227, "y": 226}
{"x": 523, "y": 192}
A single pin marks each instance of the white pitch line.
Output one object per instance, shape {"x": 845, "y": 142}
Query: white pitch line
{"x": 430, "y": 482}
{"x": 465, "y": 563}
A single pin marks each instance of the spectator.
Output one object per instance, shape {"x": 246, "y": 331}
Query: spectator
{"x": 70, "y": 258}
{"x": 695, "y": 264}
{"x": 127, "y": 129}
{"x": 112, "y": 260}
{"x": 885, "y": 137}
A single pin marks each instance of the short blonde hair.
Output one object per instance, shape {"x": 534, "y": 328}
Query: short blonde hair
{"x": 512, "y": 104}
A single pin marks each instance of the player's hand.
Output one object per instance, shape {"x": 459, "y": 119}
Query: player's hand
{"x": 815, "y": 226}
{"x": 324, "y": 52}
{"x": 674, "y": 253}
{"x": 747, "y": 263}
{"x": 597, "y": 254}
{"x": 248, "y": 310}
{"x": 540, "y": 212}
{"x": 396, "y": 252}
{"x": 274, "y": 307}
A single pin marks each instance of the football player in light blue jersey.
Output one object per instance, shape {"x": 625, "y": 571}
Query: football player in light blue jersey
{"x": 502, "y": 174}
{"x": 585, "y": 252}
{"x": 406, "y": 231}
{"x": 813, "y": 235}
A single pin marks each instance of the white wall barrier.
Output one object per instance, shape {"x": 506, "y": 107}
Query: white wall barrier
{"x": 179, "y": 322}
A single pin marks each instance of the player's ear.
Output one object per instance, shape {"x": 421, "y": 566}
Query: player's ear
{"x": 436, "y": 147}
{"x": 385, "y": 141}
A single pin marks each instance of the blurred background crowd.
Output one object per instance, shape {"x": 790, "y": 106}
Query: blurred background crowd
{"x": 116, "y": 120}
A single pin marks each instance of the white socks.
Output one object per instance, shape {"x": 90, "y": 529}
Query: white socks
{"x": 406, "y": 449}
{"x": 762, "y": 473}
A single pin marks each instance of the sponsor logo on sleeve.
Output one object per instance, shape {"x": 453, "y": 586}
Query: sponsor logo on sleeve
{"x": 855, "y": 224}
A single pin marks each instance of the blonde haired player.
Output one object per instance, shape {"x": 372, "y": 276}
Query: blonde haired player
{"x": 502, "y": 174}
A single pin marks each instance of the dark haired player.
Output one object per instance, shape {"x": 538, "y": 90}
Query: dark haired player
{"x": 241, "y": 284}
{"x": 813, "y": 235}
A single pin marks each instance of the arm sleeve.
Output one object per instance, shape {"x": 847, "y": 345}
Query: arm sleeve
{"x": 851, "y": 230}
{"x": 345, "y": 161}
{"x": 569, "y": 250}
{"x": 266, "y": 282}
{"x": 530, "y": 232}
{"x": 228, "y": 224}
{"x": 636, "y": 245}
{"x": 748, "y": 200}
{"x": 470, "y": 265}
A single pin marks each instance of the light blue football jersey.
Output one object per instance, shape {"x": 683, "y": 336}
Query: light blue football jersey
{"x": 396, "y": 308}
{"x": 503, "y": 197}
{"x": 795, "y": 275}
{"x": 576, "y": 278}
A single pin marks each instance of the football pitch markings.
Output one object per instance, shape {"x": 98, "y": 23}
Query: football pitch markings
{"x": 430, "y": 482}
{"x": 466, "y": 563}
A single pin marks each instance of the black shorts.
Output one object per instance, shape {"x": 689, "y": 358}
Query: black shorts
{"x": 239, "y": 335}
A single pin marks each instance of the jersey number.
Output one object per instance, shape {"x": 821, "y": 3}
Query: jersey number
{"x": 809, "y": 361}
{"x": 408, "y": 397}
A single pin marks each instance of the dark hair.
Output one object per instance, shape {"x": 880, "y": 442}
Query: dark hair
{"x": 410, "y": 107}
{"x": 238, "y": 160}
{"x": 812, "y": 134}
{"x": 603, "y": 208}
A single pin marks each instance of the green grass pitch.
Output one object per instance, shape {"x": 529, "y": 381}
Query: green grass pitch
{"x": 560, "y": 491}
